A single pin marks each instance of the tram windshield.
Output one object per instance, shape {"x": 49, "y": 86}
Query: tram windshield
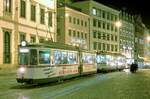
{"x": 23, "y": 56}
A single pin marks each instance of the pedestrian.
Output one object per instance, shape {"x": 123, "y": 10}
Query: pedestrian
{"x": 132, "y": 68}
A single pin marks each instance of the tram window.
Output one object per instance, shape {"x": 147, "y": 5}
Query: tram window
{"x": 57, "y": 57}
{"x": 23, "y": 58}
{"x": 64, "y": 58}
{"x": 88, "y": 58}
{"x": 44, "y": 57}
{"x": 33, "y": 57}
{"x": 72, "y": 58}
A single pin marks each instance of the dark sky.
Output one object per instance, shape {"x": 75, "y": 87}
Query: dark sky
{"x": 141, "y": 7}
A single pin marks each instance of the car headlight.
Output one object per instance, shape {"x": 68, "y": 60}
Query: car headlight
{"x": 22, "y": 70}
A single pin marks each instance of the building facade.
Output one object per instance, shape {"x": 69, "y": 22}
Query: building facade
{"x": 73, "y": 27}
{"x": 146, "y": 48}
{"x": 139, "y": 40}
{"x": 104, "y": 34}
{"x": 30, "y": 20}
{"x": 127, "y": 36}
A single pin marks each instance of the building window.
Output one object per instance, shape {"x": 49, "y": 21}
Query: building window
{"x": 112, "y": 17}
{"x": 81, "y": 22}
{"x": 74, "y": 33}
{"x": 33, "y": 12}
{"x": 103, "y": 14}
{"x": 58, "y": 32}
{"x": 41, "y": 40}
{"x": 103, "y": 46}
{"x": 42, "y": 16}
{"x": 99, "y": 46}
{"x": 50, "y": 18}
{"x": 99, "y": 24}
{"x": 116, "y": 48}
{"x": 7, "y": 46}
{"x": 108, "y": 26}
{"x": 108, "y": 16}
{"x": 99, "y": 13}
{"x": 33, "y": 39}
{"x": 99, "y": 35}
{"x": 116, "y": 38}
{"x": 78, "y": 21}
{"x": 70, "y": 19}
{"x": 23, "y": 8}
{"x": 78, "y": 34}
{"x": 82, "y": 35}
{"x": 104, "y": 25}
{"x": 95, "y": 45}
{"x": 115, "y": 17}
{"x": 108, "y": 47}
{"x": 112, "y": 27}
{"x": 108, "y": 37}
{"x": 85, "y": 24}
{"x": 74, "y": 20}
{"x": 94, "y": 12}
{"x": 22, "y": 37}
{"x": 7, "y": 6}
{"x": 112, "y": 47}
{"x": 85, "y": 36}
{"x": 94, "y": 22}
{"x": 69, "y": 32}
{"x": 94, "y": 34}
{"x": 112, "y": 37}
{"x": 104, "y": 36}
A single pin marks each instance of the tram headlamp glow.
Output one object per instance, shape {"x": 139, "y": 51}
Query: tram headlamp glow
{"x": 22, "y": 70}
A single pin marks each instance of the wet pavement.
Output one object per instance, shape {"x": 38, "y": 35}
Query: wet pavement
{"x": 117, "y": 85}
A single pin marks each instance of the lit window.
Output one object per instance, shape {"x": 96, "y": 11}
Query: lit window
{"x": 7, "y": 6}
{"x": 94, "y": 11}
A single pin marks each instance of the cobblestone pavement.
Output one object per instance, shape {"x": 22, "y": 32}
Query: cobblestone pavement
{"x": 117, "y": 85}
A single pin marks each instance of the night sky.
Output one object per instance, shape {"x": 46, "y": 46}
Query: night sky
{"x": 132, "y": 6}
{"x": 140, "y": 7}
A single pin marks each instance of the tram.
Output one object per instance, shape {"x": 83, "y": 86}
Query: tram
{"x": 51, "y": 61}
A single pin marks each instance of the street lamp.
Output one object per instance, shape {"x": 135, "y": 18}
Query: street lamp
{"x": 148, "y": 38}
{"x": 118, "y": 24}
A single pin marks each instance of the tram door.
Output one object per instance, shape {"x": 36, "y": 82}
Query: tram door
{"x": 33, "y": 57}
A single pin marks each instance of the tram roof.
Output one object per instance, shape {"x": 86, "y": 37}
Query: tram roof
{"x": 53, "y": 45}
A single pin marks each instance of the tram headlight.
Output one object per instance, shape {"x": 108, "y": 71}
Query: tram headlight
{"x": 22, "y": 70}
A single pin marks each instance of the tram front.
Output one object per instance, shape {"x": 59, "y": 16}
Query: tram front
{"x": 23, "y": 74}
